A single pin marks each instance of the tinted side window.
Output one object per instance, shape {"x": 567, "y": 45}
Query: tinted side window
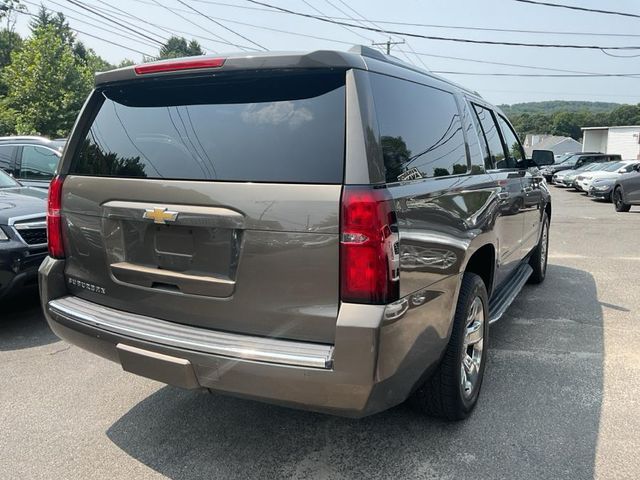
{"x": 38, "y": 163}
{"x": 6, "y": 157}
{"x": 475, "y": 141}
{"x": 271, "y": 127}
{"x": 515, "y": 154}
{"x": 491, "y": 135}
{"x": 420, "y": 130}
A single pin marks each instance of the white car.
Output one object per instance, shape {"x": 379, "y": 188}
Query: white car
{"x": 584, "y": 181}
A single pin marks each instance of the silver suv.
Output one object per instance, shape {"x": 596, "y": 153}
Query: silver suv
{"x": 331, "y": 231}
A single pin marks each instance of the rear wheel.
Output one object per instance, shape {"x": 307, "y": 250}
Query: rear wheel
{"x": 540, "y": 256}
{"x": 618, "y": 201}
{"x": 452, "y": 391}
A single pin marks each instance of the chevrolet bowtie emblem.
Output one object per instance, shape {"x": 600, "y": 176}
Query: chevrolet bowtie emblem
{"x": 160, "y": 215}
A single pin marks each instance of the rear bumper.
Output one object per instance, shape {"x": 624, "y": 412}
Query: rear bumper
{"x": 379, "y": 356}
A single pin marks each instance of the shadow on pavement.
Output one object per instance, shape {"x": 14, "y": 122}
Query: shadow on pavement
{"x": 22, "y": 324}
{"x": 538, "y": 414}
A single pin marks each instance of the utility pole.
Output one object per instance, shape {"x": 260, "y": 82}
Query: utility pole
{"x": 388, "y": 44}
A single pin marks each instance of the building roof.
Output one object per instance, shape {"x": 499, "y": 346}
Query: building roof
{"x": 612, "y": 126}
{"x": 550, "y": 141}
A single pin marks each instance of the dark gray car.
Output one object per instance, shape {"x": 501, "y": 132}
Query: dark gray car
{"x": 576, "y": 161}
{"x": 331, "y": 231}
{"x": 23, "y": 236}
{"x": 626, "y": 191}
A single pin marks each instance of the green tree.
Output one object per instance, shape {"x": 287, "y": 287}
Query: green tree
{"x": 9, "y": 42}
{"x": 7, "y": 7}
{"x": 90, "y": 58}
{"x": 45, "y": 18}
{"x": 625, "y": 115}
{"x": 178, "y": 47}
{"x": 127, "y": 62}
{"x": 46, "y": 83}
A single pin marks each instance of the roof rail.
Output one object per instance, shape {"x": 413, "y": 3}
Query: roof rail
{"x": 24, "y": 137}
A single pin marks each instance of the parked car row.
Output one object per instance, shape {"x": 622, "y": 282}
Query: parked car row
{"x": 27, "y": 166}
{"x": 573, "y": 161}
{"x": 23, "y": 234}
{"x": 608, "y": 178}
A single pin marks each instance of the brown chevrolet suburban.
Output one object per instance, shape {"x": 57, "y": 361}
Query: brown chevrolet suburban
{"x": 331, "y": 231}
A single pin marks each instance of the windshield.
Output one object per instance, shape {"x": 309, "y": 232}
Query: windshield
{"x": 6, "y": 181}
{"x": 589, "y": 167}
{"x": 564, "y": 158}
{"x": 611, "y": 167}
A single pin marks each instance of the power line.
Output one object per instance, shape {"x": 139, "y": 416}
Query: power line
{"x": 458, "y": 27}
{"x": 419, "y": 54}
{"x": 619, "y": 56}
{"x": 582, "y": 9}
{"x": 343, "y": 26}
{"x": 117, "y": 30}
{"x": 91, "y": 35}
{"x": 127, "y": 24}
{"x": 171, "y": 31}
{"x": 137, "y": 32}
{"x": 449, "y": 39}
{"x": 488, "y": 62}
{"x": 200, "y": 26}
{"x": 221, "y": 24}
{"x": 357, "y": 13}
{"x": 113, "y": 10}
{"x": 426, "y": 25}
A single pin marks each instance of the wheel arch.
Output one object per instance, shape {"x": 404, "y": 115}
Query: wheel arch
{"x": 482, "y": 262}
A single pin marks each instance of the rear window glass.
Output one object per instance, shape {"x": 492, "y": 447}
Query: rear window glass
{"x": 268, "y": 128}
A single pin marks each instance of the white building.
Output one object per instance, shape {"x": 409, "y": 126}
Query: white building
{"x": 624, "y": 141}
{"x": 555, "y": 143}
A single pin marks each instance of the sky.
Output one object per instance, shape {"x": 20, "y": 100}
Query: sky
{"x": 252, "y": 22}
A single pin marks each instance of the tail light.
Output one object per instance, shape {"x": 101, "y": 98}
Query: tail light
{"x": 369, "y": 256}
{"x": 54, "y": 219}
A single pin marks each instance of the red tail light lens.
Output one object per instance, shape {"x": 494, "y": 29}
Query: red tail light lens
{"x": 369, "y": 256}
{"x": 172, "y": 66}
{"x": 54, "y": 219}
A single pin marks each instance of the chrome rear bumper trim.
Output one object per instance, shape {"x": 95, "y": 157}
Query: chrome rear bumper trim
{"x": 243, "y": 347}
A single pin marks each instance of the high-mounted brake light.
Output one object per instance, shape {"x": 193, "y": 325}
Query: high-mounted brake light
{"x": 369, "y": 249}
{"x": 54, "y": 218}
{"x": 171, "y": 66}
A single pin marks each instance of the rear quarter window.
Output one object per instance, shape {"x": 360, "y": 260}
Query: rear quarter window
{"x": 420, "y": 130}
{"x": 267, "y": 128}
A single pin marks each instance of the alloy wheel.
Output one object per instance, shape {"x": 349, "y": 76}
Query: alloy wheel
{"x": 472, "y": 348}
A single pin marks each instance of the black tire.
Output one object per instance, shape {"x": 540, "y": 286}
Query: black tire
{"x": 540, "y": 255}
{"x": 442, "y": 395}
{"x": 618, "y": 202}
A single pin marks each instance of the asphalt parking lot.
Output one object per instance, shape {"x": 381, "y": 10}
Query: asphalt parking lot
{"x": 561, "y": 397}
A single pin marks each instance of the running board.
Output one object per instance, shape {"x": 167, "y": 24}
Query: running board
{"x": 507, "y": 294}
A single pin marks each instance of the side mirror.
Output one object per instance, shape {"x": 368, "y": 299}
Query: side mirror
{"x": 543, "y": 157}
